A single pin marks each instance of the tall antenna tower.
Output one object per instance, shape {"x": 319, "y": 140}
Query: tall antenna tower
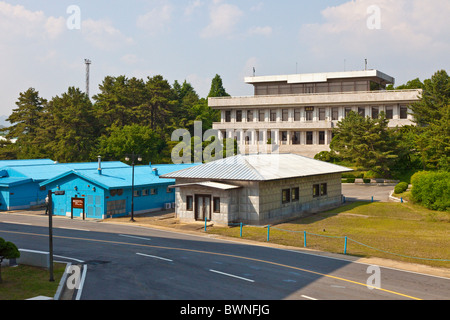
{"x": 88, "y": 63}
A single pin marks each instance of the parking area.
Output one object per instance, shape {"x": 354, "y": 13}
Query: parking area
{"x": 365, "y": 192}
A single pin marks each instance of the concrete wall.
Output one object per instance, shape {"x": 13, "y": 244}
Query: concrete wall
{"x": 273, "y": 210}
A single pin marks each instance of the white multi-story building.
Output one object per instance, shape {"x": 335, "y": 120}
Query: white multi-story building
{"x": 297, "y": 113}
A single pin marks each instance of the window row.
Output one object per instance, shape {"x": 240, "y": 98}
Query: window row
{"x": 293, "y": 194}
{"x": 330, "y": 86}
{"x": 311, "y": 112}
{"x": 146, "y": 192}
{"x": 290, "y": 137}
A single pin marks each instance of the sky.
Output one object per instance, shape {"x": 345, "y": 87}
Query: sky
{"x": 44, "y": 43}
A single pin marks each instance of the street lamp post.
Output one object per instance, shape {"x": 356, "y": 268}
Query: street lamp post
{"x": 50, "y": 229}
{"x": 132, "y": 157}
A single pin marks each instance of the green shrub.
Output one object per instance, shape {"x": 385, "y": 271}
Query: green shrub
{"x": 366, "y": 180}
{"x": 327, "y": 156}
{"x": 372, "y": 175}
{"x": 350, "y": 180}
{"x": 432, "y": 189}
{"x": 401, "y": 187}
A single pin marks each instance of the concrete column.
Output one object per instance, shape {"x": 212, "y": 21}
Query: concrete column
{"x": 395, "y": 111}
{"x": 410, "y": 116}
{"x": 263, "y": 136}
{"x": 276, "y": 137}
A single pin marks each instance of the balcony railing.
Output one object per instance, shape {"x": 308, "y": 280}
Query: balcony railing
{"x": 326, "y": 98}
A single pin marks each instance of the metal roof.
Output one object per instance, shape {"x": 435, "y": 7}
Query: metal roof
{"x": 208, "y": 184}
{"x": 259, "y": 167}
{"x": 44, "y": 170}
{"x": 26, "y": 162}
{"x": 121, "y": 177}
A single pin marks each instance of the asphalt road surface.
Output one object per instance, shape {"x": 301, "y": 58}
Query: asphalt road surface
{"x": 365, "y": 192}
{"x": 136, "y": 263}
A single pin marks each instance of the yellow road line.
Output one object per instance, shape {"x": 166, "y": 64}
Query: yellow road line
{"x": 220, "y": 254}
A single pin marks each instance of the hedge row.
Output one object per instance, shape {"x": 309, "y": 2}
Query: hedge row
{"x": 432, "y": 189}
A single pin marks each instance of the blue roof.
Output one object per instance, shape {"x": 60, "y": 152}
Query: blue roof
{"x": 41, "y": 170}
{"x": 8, "y": 163}
{"x": 11, "y": 181}
{"x": 113, "y": 178}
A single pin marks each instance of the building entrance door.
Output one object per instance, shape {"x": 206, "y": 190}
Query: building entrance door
{"x": 202, "y": 207}
{"x": 94, "y": 206}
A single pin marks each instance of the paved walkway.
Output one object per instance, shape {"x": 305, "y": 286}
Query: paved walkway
{"x": 365, "y": 192}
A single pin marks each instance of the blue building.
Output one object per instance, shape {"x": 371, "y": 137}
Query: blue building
{"x": 20, "y": 180}
{"x": 107, "y": 192}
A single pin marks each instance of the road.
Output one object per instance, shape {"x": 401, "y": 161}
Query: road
{"x": 136, "y": 263}
{"x": 365, "y": 192}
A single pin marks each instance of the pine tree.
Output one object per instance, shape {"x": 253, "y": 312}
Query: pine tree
{"x": 366, "y": 142}
{"x": 25, "y": 124}
{"x": 217, "y": 89}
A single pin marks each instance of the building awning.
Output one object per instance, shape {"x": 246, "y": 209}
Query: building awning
{"x": 208, "y": 184}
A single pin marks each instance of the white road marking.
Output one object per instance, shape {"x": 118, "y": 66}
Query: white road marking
{"x": 83, "y": 278}
{"x": 124, "y": 235}
{"x": 156, "y": 257}
{"x": 231, "y": 275}
{"x": 76, "y": 229}
{"x": 306, "y": 297}
{"x": 77, "y": 260}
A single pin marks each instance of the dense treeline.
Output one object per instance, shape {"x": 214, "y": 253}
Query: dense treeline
{"x": 390, "y": 152}
{"x": 127, "y": 115}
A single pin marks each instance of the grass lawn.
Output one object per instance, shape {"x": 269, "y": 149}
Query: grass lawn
{"x": 24, "y": 282}
{"x": 395, "y": 231}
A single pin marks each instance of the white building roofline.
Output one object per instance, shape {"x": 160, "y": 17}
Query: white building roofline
{"x": 321, "y": 77}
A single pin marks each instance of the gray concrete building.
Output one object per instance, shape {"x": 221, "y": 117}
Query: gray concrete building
{"x": 256, "y": 189}
{"x": 297, "y": 113}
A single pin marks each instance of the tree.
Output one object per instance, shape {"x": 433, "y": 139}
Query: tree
{"x": 412, "y": 84}
{"x": 73, "y": 127}
{"x": 8, "y": 250}
{"x": 25, "y": 124}
{"x": 217, "y": 89}
{"x": 366, "y": 142}
{"x": 118, "y": 100}
{"x": 159, "y": 105}
{"x": 128, "y": 139}
{"x": 435, "y": 97}
{"x": 433, "y": 142}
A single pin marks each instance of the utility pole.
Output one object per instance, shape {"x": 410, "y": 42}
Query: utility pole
{"x": 88, "y": 63}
